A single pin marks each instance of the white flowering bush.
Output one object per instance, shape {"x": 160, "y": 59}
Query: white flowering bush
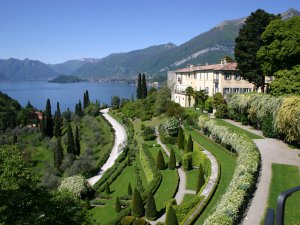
{"x": 172, "y": 126}
{"x": 77, "y": 185}
{"x": 228, "y": 210}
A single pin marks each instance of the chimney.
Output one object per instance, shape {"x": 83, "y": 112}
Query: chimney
{"x": 222, "y": 63}
{"x": 206, "y": 64}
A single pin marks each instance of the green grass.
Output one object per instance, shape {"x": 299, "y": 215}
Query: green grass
{"x": 238, "y": 129}
{"x": 228, "y": 164}
{"x": 285, "y": 177}
{"x": 187, "y": 198}
{"x": 191, "y": 179}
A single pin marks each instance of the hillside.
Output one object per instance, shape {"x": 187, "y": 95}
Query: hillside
{"x": 66, "y": 79}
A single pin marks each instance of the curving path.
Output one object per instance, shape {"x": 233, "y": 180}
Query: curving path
{"x": 120, "y": 141}
{"x": 272, "y": 151}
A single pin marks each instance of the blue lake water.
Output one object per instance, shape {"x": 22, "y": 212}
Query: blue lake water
{"x": 66, "y": 94}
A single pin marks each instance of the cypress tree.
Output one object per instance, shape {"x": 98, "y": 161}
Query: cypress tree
{"x": 71, "y": 145}
{"x": 86, "y": 99}
{"x": 132, "y": 99}
{"x": 48, "y": 120}
{"x": 190, "y": 144}
{"x": 58, "y": 153}
{"x": 137, "y": 204}
{"x": 160, "y": 162}
{"x": 118, "y": 205}
{"x": 76, "y": 110}
{"x": 151, "y": 211}
{"x": 80, "y": 111}
{"x": 57, "y": 122}
{"x": 139, "y": 87}
{"x": 200, "y": 179}
{"x": 171, "y": 218}
{"x": 172, "y": 161}
{"x": 107, "y": 189}
{"x": 144, "y": 86}
{"x": 42, "y": 126}
{"x": 180, "y": 138}
{"x": 77, "y": 141}
{"x": 129, "y": 189}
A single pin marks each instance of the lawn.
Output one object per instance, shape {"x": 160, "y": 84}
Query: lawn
{"x": 191, "y": 179}
{"x": 187, "y": 198}
{"x": 227, "y": 163}
{"x": 238, "y": 129}
{"x": 285, "y": 177}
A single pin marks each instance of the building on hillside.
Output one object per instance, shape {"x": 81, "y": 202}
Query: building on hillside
{"x": 214, "y": 78}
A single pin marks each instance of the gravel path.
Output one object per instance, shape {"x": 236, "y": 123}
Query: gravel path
{"x": 272, "y": 151}
{"x": 120, "y": 141}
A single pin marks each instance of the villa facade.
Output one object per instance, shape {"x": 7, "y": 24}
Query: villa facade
{"x": 214, "y": 78}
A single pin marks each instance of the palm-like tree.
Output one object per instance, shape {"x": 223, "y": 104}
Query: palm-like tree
{"x": 189, "y": 92}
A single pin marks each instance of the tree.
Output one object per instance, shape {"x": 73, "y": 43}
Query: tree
{"x": 80, "y": 111}
{"x": 171, "y": 218}
{"x": 218, "y": 100}
{"x": 48, "y": 120}
{"x": 77, "y": 141}
{"x": 138, "y": 209}
{"x": 200, "y": 98}
{"x": 180, "y": 138}
{"x": 208, "y": 106}
{"x": 172, "y": 161}
{"x": 160, "y": 162}
{"x": 144, "y": 87}
{"x": 107, "y": 189}
{"x": 71, "y": 149}
{"x": 58, "y": 153}
{"x": 151, "y": 211}
{"x": 228, "y": 59}
{"x": 200, "y": 179}
{"x": 280, "y": 45}
{"x": 129, "y": 190}
{"x": 57, "y": 122}
{"x": 189, "y": 92}
{"x": 162, "y": 100}
{"x": 247, "y": 45}
{"x": 86, "y": 99}
{"x": 139, "y": 87}
{"x": 118, "y": 205}
{"x": 115, "y": 102}
{"x": 190, "y": 144}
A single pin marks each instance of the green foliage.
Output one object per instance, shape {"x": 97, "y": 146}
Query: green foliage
{"x": 77, "y": 141}
{"x": 129, "y": 189}
{"x": 218, "y": 100}
{"x": 140, "y": 221}
{"x": 174, "y": 110}
{"x": 137, "y": 204}
{"x": 222, "y": 111}
{"x": 146, "y": 163}
{"x": 160, "y": 162}
{"x": 86, "y": 99}
{"x": 151, "y": 211}
{"x": 189, "y": 92}
{"x": 76, "y": 185}
{"x": 200, "y": 98}
{"x": 280, "y": 45}
{"x": 172, "y": 126}
{"x": 187, "y": 163}
{"x": 58, "y": 153}
{"x": 163, "y": 100}
{"x": 48, "y": 120}
{"x": 71, "y": 149}
{"x": 9, "y": 109}
{"x": 208, "y": 106}
{"x": 183, "y": 210}
{"x": 127, "y": 220}
{"x": 190, "y": 144}
{"x": 286, "y": 82}
{"x": 171, "y": 218}
{"x": 247, "y": 45}
{"x": 139, "y": 87}
{"x": 172, "y": 161}
{"x": 149, "y": 134}
{"x": 117, "y": 205}
{"x": 57, "y": 122}
{"x": 180, "y": 138}
{"x": 78, "y": 109}
{"x": 200, "y": 179}
{"x": 66, "y": 79}
{"x": 267, "y": 127}
{"x": 144, "y": 86}
{"x": 107, "y": 189}
{"x": 115, "y": 102}
{"x": 164, "y": 137}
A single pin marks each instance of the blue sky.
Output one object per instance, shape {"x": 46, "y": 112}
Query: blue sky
{"x": 54, "y": 31}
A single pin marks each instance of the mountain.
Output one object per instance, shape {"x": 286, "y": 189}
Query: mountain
{"x": 26, "y": 69}
{"x": 71, "y": 66}
{"x": 3, "y": 77}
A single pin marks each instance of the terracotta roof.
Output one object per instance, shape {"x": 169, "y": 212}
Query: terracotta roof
{"x": 228, "y": 66}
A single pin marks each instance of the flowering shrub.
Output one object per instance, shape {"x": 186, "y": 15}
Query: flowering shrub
{"x": 229, "y": 208}
{"x": 76, "y": 185}
{"x": 172, "y": 126}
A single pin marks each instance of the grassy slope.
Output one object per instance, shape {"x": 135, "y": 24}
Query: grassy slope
{"x": 187, "y": 197}
{"x": 227, "y": 163}
{"x": 191, "y": 179}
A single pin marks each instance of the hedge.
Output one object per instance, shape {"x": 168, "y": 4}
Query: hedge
{"x": 232, "y": 204}
{"x": 164, "y": 137}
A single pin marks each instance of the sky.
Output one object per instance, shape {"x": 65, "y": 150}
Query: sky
{"x": 54, "y": 31}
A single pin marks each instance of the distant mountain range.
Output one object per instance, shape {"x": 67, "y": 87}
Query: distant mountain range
{"x": 208, "y": 47}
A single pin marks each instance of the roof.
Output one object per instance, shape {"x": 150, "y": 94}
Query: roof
{"x": 227, "y": 66}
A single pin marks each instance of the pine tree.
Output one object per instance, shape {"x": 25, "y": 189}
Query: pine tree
{"x": 171, "y": 218}
{"x": 77, "y": 141}
{"x": 129, "y": 189}
{"x": 57, "y": 122}
{"x": 58, "y": 153}
{"x": 139, "y": 87}
{"x": 144, "y": 87}
{"x": 180, "y": 138}
{"x": 200, "y": 179}
{"x": 70, "y": 145}
{"x": 118, "y": 205}
{"x": 172, "y": 161}
{"x": 151, "y": 211}
{"x": 138, "y": 209}
{"x": 107, "y": 189}
{"x": 160, "y": 162}
{"x": 48, "y": 120}
{"x": 190, "y": 144}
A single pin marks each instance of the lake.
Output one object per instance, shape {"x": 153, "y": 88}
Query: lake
{"x": 66, "y": 94}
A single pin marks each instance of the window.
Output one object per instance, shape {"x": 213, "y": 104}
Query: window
{"x": 245, "y": 90}
{"x": 227, "y": 76}
{"x": 226, "y": 91}
{"x": 207, "y": 89}
{"x": 237, "y": 77}
{"x": 236, "y": 90}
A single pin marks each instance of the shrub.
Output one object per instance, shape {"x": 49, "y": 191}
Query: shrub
{"x": 208, "y": 106}
{"x": 222, "y": 111}
{"x": 160, "y": 162}
{"x": 107, "y": 189}
{"x": 151, "y": 211}
{"x": 200, "y": 179}
{"x": 164, "y": 137}
{"x": 127, "y": 220}
{"x": 140, "y": 221}
{"x": 172, "y": 161}
{"x": 184, "y": 209}
{"x": 118, "y": 205}
{"x": 187, "y": 162}
{"x": 129, "y": 189}
{"x": 180, "y": 138}
{"x": 190, "y": 144}
{"x": 137, "y": 204}
{"x": 218, "y": 100}
{"x": 171, "y": 218}
{"x": 149, "y": 133}
{"x": 172, "y": 126}
{"x": 267, "y": 127}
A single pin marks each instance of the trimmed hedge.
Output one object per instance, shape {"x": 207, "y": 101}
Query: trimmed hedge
{"x": 164, "y": 137}
{"x": 232, "y": 204}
